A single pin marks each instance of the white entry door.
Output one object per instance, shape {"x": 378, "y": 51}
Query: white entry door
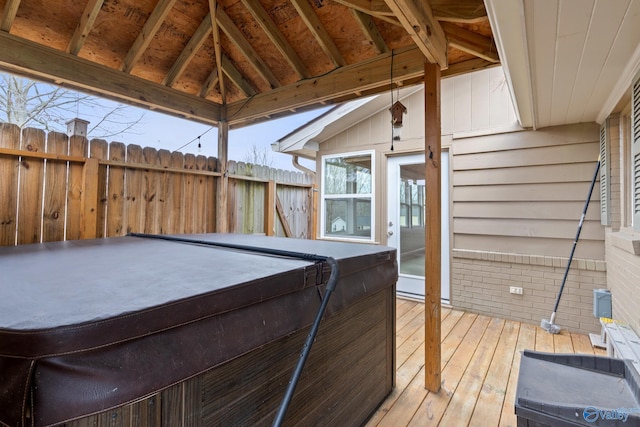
{"x": 406, "y": 222}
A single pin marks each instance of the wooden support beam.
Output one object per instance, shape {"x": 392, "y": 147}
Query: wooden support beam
{"x": 432, "y": 298}
{"x": 43, "y": 63}
{"x": 89, "y": 200}
{"x": 269, "y": 208}
{"x": 418, "y": 20}
{"x": 370, "y": 74}
{"x": 222, "y": 193}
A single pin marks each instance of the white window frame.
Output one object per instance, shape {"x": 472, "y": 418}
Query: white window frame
{"x": 324, "y": 197}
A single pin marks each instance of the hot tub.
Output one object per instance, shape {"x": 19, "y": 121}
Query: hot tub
{"x": 140, "y": 331}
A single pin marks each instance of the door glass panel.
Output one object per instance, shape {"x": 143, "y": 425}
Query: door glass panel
{"x": 412, "y": 219}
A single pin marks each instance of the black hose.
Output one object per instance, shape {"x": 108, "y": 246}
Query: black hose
{"x": 306, "y": 348}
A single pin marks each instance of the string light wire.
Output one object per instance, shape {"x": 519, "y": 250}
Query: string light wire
{"x": 197, "y": 138}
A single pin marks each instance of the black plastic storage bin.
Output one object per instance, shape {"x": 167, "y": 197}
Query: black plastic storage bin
{"x": 576, "y": 390}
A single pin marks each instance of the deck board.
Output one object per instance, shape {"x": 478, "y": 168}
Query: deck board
{"x": 480, "y": 366}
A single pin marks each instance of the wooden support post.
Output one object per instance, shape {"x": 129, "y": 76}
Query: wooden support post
{"x": 269, "y": 209}
{"x": 89, "y": 200}
{"x": 222, "y": 187}
{"x": 432, "y": 301}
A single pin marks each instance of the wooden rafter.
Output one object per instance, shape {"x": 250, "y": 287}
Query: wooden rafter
{"x": 149, "y": 30}
{"x": 467, "y": 67}
{"x": 462, "y": 11}
{"x": 370, "y": 31}
{"x": 345, "y": 81}
{"x": 190, "y": 50}
{"x": 470, "y": 42}
{"x": 213, "y": 12}
{"x": 236, "y": 37}
{"x": 85, "y": 25}
{"x": 236, "y": 77}
{"x": 377, "y": 9}
{"x": 43, "y": 63}
{"x": 277, "y": 38}
{"x": 9, "y": 14}
{"x": 418, "y": 20}
{"x": 321, "y": 35}
{"x": 209, "y": 84}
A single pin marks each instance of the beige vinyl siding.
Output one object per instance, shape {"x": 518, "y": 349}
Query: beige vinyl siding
{"x": 476, "y": 102}
{"x": 524, "y": 192}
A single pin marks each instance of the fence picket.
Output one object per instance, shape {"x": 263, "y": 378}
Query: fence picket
{"x": 30, "y": 190}
{"x": 189, "y": 189}
{"x": 55, "y": 193}
{"x": 115, "y": 199}
{"x": 133, "y": 191}
{"x": 9, "y": 138}
{"x": 151, "y": 192}
{"x": 78, "y": 146}
{"x": 200, "y": 195}
{"x": 99, "y": 150}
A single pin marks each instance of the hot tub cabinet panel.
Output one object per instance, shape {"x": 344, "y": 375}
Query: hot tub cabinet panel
{"x": 135, "y": 331}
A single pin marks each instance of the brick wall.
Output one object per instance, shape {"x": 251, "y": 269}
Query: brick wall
{"x": 480, "y": 282}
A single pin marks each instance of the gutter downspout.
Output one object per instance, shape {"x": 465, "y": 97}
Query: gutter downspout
{"x": 296, "y": 164}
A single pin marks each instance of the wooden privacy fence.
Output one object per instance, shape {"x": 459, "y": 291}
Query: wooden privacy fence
{"x": 53, "y": 188}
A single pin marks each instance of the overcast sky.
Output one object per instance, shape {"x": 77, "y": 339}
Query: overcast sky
{"x": 171, "y": 133}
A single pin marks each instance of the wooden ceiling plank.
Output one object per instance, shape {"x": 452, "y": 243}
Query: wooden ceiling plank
{"x": 84, "y": 27}
{"x": 470, "y": 42}
{"x": 277, "y": 38}
{"x": 190, "y": 50}
{"x": 417, "y": 19}
{"x": 380, "y": 11}
{"x": 320, "y": 33}
{"x": 43, "y": 63}
{"x": 236, "y": 77}
{"x": 147, "y": 34}
{"x": 9, "y": 14}
{"x": 374, "y": 73}
{"x": 236, "y": 37}
{"x": 209, "y": 84}
{"x": 370, "y": 31}
{"x": 217, "y": 47}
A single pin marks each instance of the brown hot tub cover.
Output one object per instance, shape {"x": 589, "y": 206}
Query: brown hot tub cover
{"x": 90, "y": 325}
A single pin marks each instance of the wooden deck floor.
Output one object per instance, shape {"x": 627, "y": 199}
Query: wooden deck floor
{"x": 480, "y": 364}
